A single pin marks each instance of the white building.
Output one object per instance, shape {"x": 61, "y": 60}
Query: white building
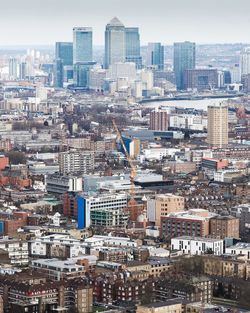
{"x": 120, "y": 69}
{"x": 59, "y": 184}
{"x": 147, "y": 78}
{"x": 188, "y": 121}
{"x": 197, "y": 246}
{"x": 56, "y": 246}
{"x": 17, "y": 250}
{"x": 97, "y": 78}
{"x": 239, "y": 248}
{"x": 245, "y": 61}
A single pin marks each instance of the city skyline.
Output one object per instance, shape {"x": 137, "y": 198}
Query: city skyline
{"x": 163, "y": 21}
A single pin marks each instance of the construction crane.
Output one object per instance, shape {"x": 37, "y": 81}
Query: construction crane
{"x": 129, "y": 159}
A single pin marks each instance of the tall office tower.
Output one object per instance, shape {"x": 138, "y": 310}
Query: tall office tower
{"x": 217, "y": 128}
{"x": 82, "y": 55}
{"x": 184, "y": 59}
{"x": 12, "y": 68}
{"x": 156, "y": 55}
{"x": 23, "y": 70}
{"x": 133, "y": 49}
{"x": 64, "y": 52}
{"x": 115, "y": 42}
{"x": 58, "y": 73}
{"x": 158, "y": 120}
{"x": 245, "y": 61}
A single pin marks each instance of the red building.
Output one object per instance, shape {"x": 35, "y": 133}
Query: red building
{"x": 4, "y": 162}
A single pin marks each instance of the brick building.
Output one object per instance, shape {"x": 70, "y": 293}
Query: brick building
{"x": 224, "y": 226}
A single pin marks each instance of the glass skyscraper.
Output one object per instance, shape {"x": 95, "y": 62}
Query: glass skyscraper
{"x": 184, "y": 59}
{"x": 115, "y": 42}
{"x": 58, "y": 73}
{"x": 64, "y": 51}
{"x": 82, "y": 55}
{"x": 82, "y": 44}
{"x": 156, "y": 55}
{"x": 133, "y": 50}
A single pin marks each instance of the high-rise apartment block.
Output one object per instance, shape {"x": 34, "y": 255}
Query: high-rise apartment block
{"x": 184, "y": 59}
{"x": 156, "y": 55}
{"x": 76, "y": 162}
{"x": 217, "y": 131}
{"x": 159, "y": 120}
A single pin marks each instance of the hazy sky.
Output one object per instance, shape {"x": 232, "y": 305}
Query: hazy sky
{"x": 203, "y": 21}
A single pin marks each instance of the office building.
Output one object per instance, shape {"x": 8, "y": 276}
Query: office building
{"x": 200, "y": 79}
{"x": 122, "y": 70}
{"x": 159, "y": 120}
{"x": 197, "y": 246}
{"x": 23, "y": 70}
{"x": 58, "y": 74}
{"x": 162, "y": 205}
{"x": 82, "y": 45}
{"x": 58, "y": 184}
{"x": 133, "y": 49}
{"x": 217, "y": 130}
{"x": 245, "y": 61}
{"x": 82, "y": 55}
{"x": 184, "y": 59}
{"x": 156, "y": 55}
{"x": 12, "y": 69}
{"x": 115, "y": 42}
{"x": 224, "y": 227}
{"x": 64, "y": 52}
{"x": 76, "y": 161}
{"x": 194, "y": 222}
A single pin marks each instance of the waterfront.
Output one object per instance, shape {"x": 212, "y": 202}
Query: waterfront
{"x": 186, "y": 104}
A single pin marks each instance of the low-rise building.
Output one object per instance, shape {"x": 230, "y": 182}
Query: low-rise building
{"x": 197, "y": 246}
{"x": 17, "y": 250}
{"x": 240, "y": 248}
{"x": 224, "y": 226}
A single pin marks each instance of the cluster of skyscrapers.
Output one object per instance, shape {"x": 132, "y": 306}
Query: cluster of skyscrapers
{"x": 73, "y": 60}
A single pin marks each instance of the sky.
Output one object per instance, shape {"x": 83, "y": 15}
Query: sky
{"x": 34, "y": 22}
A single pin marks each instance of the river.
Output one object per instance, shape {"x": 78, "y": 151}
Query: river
{"x": 185, "y": 104}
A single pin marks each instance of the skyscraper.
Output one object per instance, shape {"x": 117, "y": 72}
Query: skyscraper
{"x": 115, "y": 42}
{"x": 82, "y": 55}
{"x": 184, "y": 59}
{"x": 12, "y": 68}
{"x": 245, "y": 61}
{"x": 133, "y": 49}
{"x": 217, "y": 130}
{"x": 82, "y": 44}
{"x": 64, "y": 52}
{"x": 58, "y": 73}
{"x": 156, "y": 55}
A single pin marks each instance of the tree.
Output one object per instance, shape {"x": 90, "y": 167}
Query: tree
{"x": 16, "y": 157}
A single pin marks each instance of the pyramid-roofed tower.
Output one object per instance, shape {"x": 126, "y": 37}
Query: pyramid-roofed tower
{"x": 115, "y": 22}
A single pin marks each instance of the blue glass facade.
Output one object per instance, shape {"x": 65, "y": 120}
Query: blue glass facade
{"x": 133, "y": 53}
{"x": 81, "y": 213}
{"x": 64, "y": 51}
{"x": 184, "y": 59}
{"x": 58, "y": 74}
{"x": 156, "y": 55}
{"x": 82, "y": 45}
